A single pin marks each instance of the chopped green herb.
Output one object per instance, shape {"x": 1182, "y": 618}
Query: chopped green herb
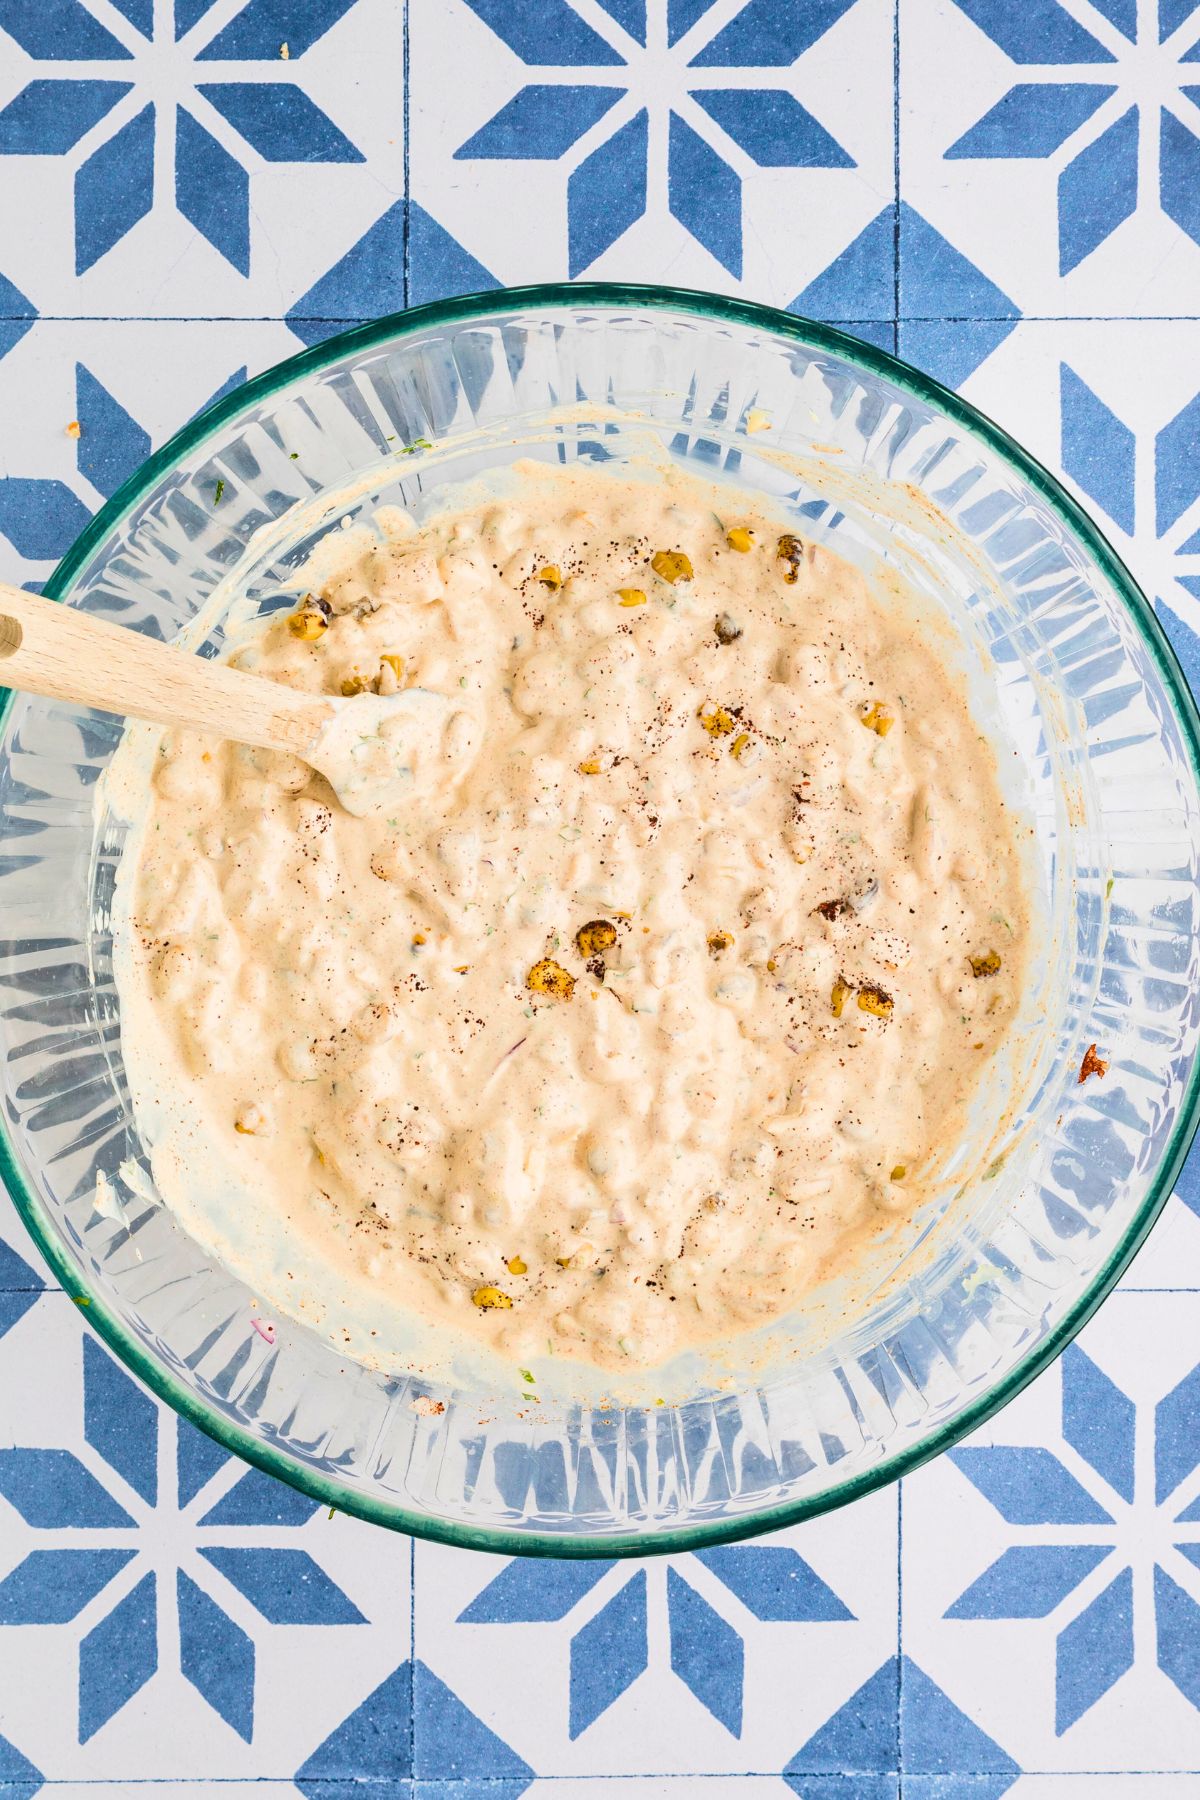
{"x": 417, "y": 444}
{"x": 82, "y": 1300}
{"x": 526, "y": 1377}
{"x": 293, "y": 455}
{"x": 1108, "y": 887}
{"x": 219, "y": 495}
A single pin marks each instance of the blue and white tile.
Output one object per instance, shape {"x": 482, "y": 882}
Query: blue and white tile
{"x": 653, "y": 1787}
{"x": 1091, "y": 1786}
{"x": 166, "y": 1613}
{"x": 128, "y": 384}
{"x": 1056, "y": 145}
{"x": 729, "y": 1660}
{"x": 733, "y": 145}
{"x": 206, "y": 159}
{"x": 1050, "y": 1563}
{"x": 1114, "y": 407}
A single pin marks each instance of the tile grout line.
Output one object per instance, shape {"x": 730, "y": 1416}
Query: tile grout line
{"x": 412, "y": 1659}
{"x": 407, "y": 222}
{"x": 900, "y": 1640}
{"x": 896, "y": 268}
{"x": 1008, "y": 318}
{"x": 406, "y": 75}
{"x": 895, "y": 176}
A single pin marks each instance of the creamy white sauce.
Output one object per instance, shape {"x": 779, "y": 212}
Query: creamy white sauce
{"x": 668, "y": 980}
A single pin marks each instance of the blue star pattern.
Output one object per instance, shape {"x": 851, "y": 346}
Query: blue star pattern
{"x": 1099, "y": 121}
{"x": 115, "y": 108}
{"x": 608, "y": 185}
{"x": 609, "y": 1646}
{"x": 243, "y": 1541}
{"x": 1030, "y": 1487}
{"x": 195, "y": 188}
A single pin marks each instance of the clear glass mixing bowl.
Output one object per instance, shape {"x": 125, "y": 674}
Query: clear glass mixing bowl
{"x": 1070, "y": 671}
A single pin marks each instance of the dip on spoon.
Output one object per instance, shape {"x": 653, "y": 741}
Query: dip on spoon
{"x": 374, "y": 750}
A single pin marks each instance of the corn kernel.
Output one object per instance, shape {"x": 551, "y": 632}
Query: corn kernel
{"x": 594, "y": 938}
{"x": 631, "y": 596}
{"x": 395, "y": 664}
{"x": 715, "y": 720}
{"x": 485, "y": 1297}
{"x": 672, "y": 565}
{"x": 719, "y": 942}
{"x": 549, "y": 977}
{"x": 353, "y": 684}
{"x": 740, "y": 538}
{"x": 838, "y": 996}
{"x": 740, "y": 745}
{"x": 789, "y": 550}
{"x": 985, "y": 965}
{"x": 516, "y": 1266}
{"x": 899, "y": 1172}
{"x": 310, "y": 620}
{"x": 590, "y": 767}
{"x": 550, "y": 577}
{"x": 877, "y": 718}
{"x": 874, "y": 1000}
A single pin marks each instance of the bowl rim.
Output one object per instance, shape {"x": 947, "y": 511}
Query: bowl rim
{"x": 237, "y": 1439}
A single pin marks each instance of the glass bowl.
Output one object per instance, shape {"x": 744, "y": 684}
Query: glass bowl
{"x": 1073, "y": 674}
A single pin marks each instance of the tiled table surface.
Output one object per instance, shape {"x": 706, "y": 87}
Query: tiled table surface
{"x": 1006, "y": 191}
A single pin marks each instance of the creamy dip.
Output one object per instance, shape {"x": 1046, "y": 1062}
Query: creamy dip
{"x": 668, "y": 994}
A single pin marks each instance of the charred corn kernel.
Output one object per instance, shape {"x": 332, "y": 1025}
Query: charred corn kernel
{"x": 549, "y": 977}
{"x": 632, "y": 596}
{"x": 728, "y": 630}
{"x": 515, "y": 1266}
{"x": 590, "y": 767}
{"x": 672, "y": 565}
{"x": 719, "y": 942}
{"x": 550, "y": 577}
{"x": 740, "y": 744}
{"x": 353, "y": 684}
{"x": 899, "y": 1172}
{"x": 485, "y": 1297}
{"x": 790, "y": 550}
{"x": 740, "y": 537}
{"x": 395, "y": 664}
{"x": 874, "y": 1000}
{"x": 715, "y": 720}
{"x": 594, "y": 938}
{"x": 564, "y": 1262}
{"x": 462, "y": 968}
{"x": 758, "y": 420}
{"x": 310, "y": 619}
{"x": 418, "y": 938}
{"x": 74, "y": 430}
{"x": 838, "y": 996}
{"x": 985, "y": 965}
{"x": 877, "y": 718}
{"x": 771, "y": 965}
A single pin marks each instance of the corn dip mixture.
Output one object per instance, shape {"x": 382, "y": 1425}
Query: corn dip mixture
{"x": 668, "y": 1000}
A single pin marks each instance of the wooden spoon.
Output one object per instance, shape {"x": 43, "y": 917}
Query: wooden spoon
{"x": 374, "y": 750}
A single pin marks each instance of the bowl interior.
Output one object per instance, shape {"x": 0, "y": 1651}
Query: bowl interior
{"x": 1059, "y": 1180}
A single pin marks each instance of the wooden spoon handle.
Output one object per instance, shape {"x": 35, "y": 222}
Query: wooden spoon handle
{"x": 64, "y": 654}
